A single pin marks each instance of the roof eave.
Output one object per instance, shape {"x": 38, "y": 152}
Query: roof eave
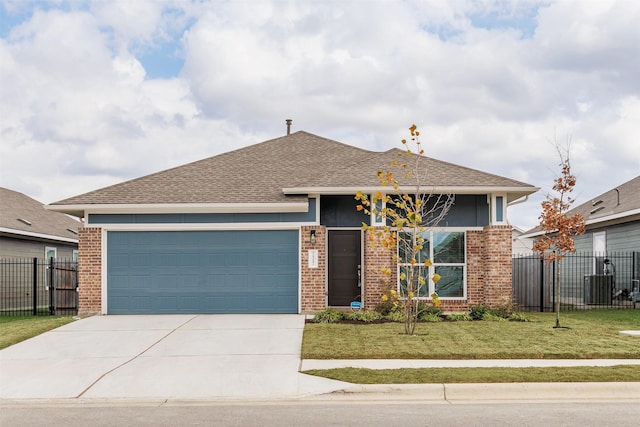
{"x": 618, "y": 218}
{"x": 164, "y": 208}
{"x": 38, "y": 235}
{"x": 513, "y": 192}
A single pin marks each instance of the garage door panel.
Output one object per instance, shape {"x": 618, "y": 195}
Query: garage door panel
{"x": 202, "y": 272}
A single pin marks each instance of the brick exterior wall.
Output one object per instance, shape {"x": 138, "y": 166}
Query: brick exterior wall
{"x": 497, "y": 261}
{"x": 89, "y": 270}
{"x": 313, "y": 292}
{"x": 488, "y": 270}
{"x": 377, "y": 257}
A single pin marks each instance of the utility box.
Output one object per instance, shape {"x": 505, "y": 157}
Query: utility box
{"x": 598, "y": 289}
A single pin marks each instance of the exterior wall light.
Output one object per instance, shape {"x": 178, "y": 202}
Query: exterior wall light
{"x": 312, "y": 237}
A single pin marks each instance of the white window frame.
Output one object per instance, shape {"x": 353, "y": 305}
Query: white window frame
{"x": 599, "y": 242}
{"x": 52, "y": 249}
{"x": 432, "y": 268}
{"x": 495, "y": 211}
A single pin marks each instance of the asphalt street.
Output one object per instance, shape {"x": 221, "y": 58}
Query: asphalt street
{"x": 322, "y": 413}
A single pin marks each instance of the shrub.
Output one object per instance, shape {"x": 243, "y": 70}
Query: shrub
{"x": 490, "y": 317}
{"x": 425, "y": 308}
{"x": 367, "y": 316}
{"x": 477, "y": 312}
{"x": 518, "y": 317}
{"x": 396, "y": 316}
{"x": 389, "y": 302}
{"x": 430, "y": 317}
{"x": 328, "y": 315}
{"x": 460, "y": 317}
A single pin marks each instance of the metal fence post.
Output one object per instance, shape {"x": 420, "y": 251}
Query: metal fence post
{"x": 542, "y": 285}
{"x": 553, "y": 282}
{"x": 35, "y": 286}
{"x": 52, "y": 286}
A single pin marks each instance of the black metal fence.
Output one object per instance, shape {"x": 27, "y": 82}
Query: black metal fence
{"x": 586, "y": 280}
{"x": 32, "y": 286}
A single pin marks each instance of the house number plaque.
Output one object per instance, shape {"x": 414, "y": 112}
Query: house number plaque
{"x": 313, "y": 258}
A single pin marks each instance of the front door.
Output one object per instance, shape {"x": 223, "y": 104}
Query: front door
{"x": 344, "y": 265}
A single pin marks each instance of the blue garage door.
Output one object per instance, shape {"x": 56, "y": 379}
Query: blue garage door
{"x": 202, "y": 272}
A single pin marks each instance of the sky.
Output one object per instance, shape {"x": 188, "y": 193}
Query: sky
{"x": 93, "y": 93}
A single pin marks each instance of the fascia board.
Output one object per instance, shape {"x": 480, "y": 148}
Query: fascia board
{"x": 408, "y": 189}
{"x": 38, "y": 235}
{"x": 181, "y": 208}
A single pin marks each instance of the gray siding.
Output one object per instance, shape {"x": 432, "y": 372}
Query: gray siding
{"x": 19, "y": 248}
{"x": 622, "y": 237}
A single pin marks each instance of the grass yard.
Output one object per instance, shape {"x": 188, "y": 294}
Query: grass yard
{"x": 621, "y": 373}
{"x": 19, "y": 328}
{"x": 591, "y": 334}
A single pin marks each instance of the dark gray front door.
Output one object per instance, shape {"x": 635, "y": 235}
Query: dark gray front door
{"x": 344, "y": 261}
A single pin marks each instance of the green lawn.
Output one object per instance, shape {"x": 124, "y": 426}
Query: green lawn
{"x": 19, "y": 328}
{"x": 621, "y": 373}
{"x": 591, "y": 334}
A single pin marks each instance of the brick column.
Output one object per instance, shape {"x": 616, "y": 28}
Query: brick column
{"x": 475, "y": 267}
{"x": 89, "y": 270}
{"x": 376, "y": 258}
{"x": 497, "y": 265}
{"x": 313, "y": 280}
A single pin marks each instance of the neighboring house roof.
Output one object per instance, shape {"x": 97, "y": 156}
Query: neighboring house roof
{"x": 279, "y": 171}
{"x": 21, "y": 215}
{"x": 618, "y": 205}
{"x": 520, "y": 245}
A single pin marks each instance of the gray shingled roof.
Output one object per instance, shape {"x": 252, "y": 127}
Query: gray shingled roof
{"x": 626, "y": 200}
{"x": 258, "y": 174}
{"x": 15, "y": 206}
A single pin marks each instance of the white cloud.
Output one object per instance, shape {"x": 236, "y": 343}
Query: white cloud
{"x": 489, "y": 83}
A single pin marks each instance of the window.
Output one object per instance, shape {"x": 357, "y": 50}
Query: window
{"x": 75, "y": 255}
{"x": 50, "y": 252}
{"x": 446, "y": 250}
{"x": 499, "y": 209}
{"x": 599, "y": 251}
{"x": 377, "y": 218}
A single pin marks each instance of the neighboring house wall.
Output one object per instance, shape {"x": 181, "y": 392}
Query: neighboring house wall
{"x": 618, "y": 238}
{"x": 11, "y": 247}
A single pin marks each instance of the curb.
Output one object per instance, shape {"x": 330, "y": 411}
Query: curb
{"x": 493, "y": 391}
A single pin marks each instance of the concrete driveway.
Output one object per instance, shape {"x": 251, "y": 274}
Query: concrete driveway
{"x": 163, "y": 357}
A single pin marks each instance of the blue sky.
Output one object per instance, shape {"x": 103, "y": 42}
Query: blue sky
{"x": 97, "y": 92}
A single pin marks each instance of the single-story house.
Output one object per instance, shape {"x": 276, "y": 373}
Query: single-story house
{"x": 273, "y": 228}
{"x": 28, "y": 230}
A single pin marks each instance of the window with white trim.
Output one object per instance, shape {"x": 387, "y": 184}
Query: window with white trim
{"x": 377, "y": 218}
{"x": 447, "y": 252}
